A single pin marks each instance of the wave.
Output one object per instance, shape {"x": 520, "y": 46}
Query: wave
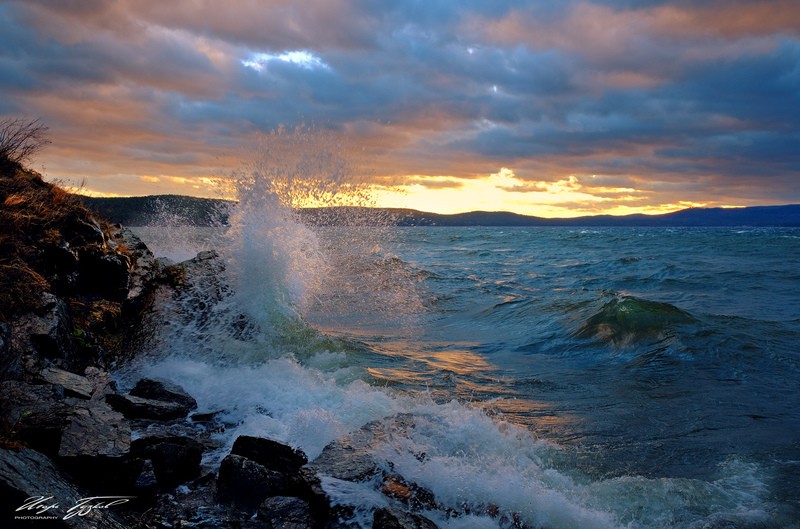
{"x": 625, "y": 320}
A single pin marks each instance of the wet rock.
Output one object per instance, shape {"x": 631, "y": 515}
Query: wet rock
{"x": 350, "y": 458}
{"x": 205, "y": 417}
{"x": 416, "y": 497}
{"x": 164, "y": 391}
{"x": 270, "y": 454}
{"x": 74, "y": 385}
{"x": 247, "y": 483}
{"x": 175, "y": 459}
{"x": 28, "y": 474}
{"x": 286, "y": 512}
{"x": 391, "y": 518}
{"x": 34, "y": 414}
{"x": 140, "y": 408}
{"x": 307, "y": 485}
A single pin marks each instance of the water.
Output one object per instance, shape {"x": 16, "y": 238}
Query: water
{"x": 537, "y": 377}
{"x": 614, "y": 377}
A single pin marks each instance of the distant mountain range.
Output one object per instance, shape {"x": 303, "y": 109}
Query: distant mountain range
{"x": 176, "y": 209}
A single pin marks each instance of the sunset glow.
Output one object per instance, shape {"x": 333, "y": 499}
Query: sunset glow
{"x": 552, "y": 109}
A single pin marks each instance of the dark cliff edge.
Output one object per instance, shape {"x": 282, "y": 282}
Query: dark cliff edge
{"x": 177, "y": 209}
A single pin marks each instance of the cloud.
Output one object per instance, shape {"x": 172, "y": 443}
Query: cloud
{"x": 659, "y": 97}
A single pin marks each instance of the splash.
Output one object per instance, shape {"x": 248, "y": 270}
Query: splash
{"x": 276, "y": 261}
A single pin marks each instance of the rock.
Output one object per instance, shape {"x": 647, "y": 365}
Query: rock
{"x": 139, "y": 408}
{"x": 44, "y": 333}
{"x": 102, "y": 383}
{"x": 205, "y": 417}
{"x": 163, "y": 390}
{"x": 73, "y": 384}
{"x": 411, "y": 494}
{"x": 286, "y": 512}
{"x": 391, "y": 518}
{"x": 96, "y": 431}
{"x": 103, "y": 274}
{"x": 270, "y": 454}
{"x": 347, "y": 459}
{"x": 175, "y": 459}
{"x": 6, "y": 359}
{"x": 144, "y": 271}
{"x": 34, "y": 414}
{"x": 95, "y": 446}
{"x": 306, "y": 485}
{"x": 247, "y": 483}
{"x": 146, "y": 483}
{"x": 28, "y": 474}
{"x": 83, "y": 232}
{"x": 61, "y": 267}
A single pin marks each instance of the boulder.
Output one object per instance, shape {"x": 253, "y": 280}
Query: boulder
{"x": 270, "y": 454}
{"x": 34, "y": 414}
{"x": 286, "y": 512}
{"x": 140, "y": 408}
{"x": 174, "y": 459}
{"x": 391, "y": 518}
{"x": 26, "y": 474}
{"x": 247, "y": 483}
{"x": 163, "y": 390}
{"x": 74, "y": 385}
{"x": 306, "y": 485}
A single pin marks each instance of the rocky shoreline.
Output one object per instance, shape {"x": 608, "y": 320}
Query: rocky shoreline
{"x": 77, "y": 452}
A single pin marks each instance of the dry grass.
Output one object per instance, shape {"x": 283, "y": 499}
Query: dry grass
{"x": 33, "y": 214}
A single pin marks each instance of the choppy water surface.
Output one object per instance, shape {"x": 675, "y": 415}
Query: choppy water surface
{"x": 614, "y": 377}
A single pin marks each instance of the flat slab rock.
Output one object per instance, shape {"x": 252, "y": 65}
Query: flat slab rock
{"x": 75, "y": 385}
{"x": 163, "y": 390}
{"x": 95, "y": 430}
{"x": 134, "y": 407}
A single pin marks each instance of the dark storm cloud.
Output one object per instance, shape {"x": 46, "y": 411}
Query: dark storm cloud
{"x": 643, "y": 94}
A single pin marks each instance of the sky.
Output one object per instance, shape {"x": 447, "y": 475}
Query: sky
{"x": 540, "y": 107}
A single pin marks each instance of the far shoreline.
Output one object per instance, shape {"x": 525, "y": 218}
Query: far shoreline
{"x": 185, "y": 210}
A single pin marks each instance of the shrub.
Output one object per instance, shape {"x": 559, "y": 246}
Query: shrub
{"x": 20, "y": 139}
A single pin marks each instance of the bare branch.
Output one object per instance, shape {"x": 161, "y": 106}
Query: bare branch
{"x": 20, "y": 139}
